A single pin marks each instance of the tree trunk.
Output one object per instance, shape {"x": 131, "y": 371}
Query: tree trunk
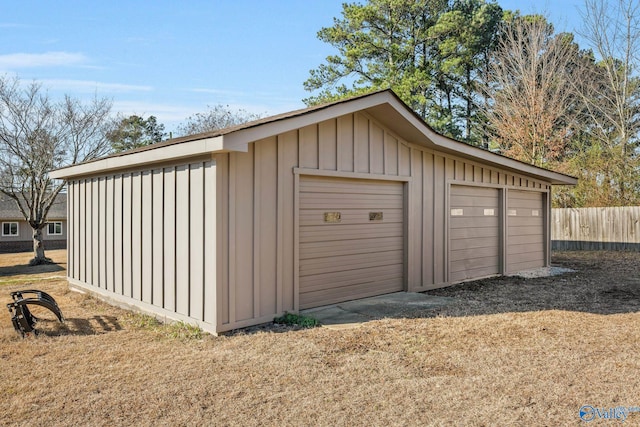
{"x": 38, "y": 249}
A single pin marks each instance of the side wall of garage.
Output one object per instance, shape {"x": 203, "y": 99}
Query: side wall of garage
{"x": 259, "y": 208}
{"x": 146, "y": 238}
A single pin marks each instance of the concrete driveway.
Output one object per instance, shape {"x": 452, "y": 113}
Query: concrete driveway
{"x": 397, "y": 305}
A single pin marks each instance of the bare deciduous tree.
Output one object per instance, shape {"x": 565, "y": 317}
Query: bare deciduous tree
{"x": 533, "y": 105}
{"x": 38, "y": 134}
{"x": 218, "y": 117}
{"x": 611, "y": 95}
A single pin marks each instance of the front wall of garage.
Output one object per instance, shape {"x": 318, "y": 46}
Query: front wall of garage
{"x": 259, "y": 208}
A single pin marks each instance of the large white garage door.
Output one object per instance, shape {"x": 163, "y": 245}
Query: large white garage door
{"x": 474, "y": 232}
{"x": 525, "y": 231}
{"x": 351, "y": 239}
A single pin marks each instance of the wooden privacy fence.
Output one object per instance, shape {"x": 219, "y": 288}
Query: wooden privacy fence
{"x": 614, "y": 228}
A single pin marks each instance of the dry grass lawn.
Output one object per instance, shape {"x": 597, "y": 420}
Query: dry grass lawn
{"x": 507, "y": 352}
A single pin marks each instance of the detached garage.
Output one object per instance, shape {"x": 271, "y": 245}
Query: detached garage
{"x": 342, "y": 201}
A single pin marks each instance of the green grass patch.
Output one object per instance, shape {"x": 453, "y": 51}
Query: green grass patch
{"x": 293, "y": 319}
{"x": 177, "y": 330}
{"x": 184, "y": 331}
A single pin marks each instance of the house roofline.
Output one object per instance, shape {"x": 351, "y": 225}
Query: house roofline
{"x": 385, "y": 105}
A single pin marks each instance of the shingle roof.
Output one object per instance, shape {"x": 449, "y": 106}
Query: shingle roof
{"x": 9, "y": 209}
{"x": 385, "y": 106}
{"x": 239, "y": 127}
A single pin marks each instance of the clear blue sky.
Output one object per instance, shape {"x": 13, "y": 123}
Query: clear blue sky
{"x": 172, "y": 59}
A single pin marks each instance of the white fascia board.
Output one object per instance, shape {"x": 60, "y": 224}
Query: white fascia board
{"x": 141, "y": 158}
{"x": 239, "y": 140}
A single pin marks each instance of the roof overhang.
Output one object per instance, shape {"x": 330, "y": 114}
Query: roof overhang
{"x": 384, "y": 106}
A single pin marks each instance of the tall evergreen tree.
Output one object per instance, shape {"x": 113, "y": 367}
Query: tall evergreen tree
{"x": 430, "y": 52}
{"x": 134, "y": 131}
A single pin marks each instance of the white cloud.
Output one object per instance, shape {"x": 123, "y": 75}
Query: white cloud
{"x": 88, "y": 86}
{"x": 47, "y": 59}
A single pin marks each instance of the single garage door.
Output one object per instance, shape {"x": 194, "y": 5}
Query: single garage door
{"x": 351, "y": 239}
{"x": 474, "y": 232}
{"x": 525, "y": 230}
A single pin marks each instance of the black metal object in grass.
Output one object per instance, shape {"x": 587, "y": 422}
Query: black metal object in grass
{"x": 23, "y": 320}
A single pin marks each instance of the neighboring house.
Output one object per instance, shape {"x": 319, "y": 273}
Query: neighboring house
{"x": 346, "y": 200}
{"x": 16, "y": 235}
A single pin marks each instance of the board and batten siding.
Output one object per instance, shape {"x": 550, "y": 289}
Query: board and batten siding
{"x": 258, "y": 221}
{"x": 141, "y": 238}
{"x": 215, "y": 240}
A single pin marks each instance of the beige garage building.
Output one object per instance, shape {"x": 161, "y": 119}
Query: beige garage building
{"x": 346, "y": 200}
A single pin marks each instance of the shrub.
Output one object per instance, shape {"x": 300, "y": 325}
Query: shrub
{"x": 293, "y": 319}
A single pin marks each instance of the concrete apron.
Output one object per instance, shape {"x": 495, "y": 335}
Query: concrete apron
{"x": 351, "y": 314}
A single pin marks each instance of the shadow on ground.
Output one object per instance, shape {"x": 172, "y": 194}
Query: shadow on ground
{"x": 395, "y": 305}
{"x": 602, "y": 283}
{"x": 17, "y": 270}
{"x": 77, "y": 326}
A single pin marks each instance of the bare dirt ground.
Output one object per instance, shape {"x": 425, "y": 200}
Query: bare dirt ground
{"x": 509, "y": 351}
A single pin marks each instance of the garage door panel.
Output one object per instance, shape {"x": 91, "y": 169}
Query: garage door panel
{"x": 470, "y": 243}
{"x": 523, "y": 249}
{"x": 521, "y": 221}
{"x": 349, "y": 216}
{"x": 340, "y": 279}
{"x": 349, "y": 200}
{"x": 341, "y": 188}
{"x": 477, "y": 212}
{"x": 328, "y": 199}
{"x": 471, "y": 201}
{"x": 473, "y": 191}
{"x": 349, "y": 262}
{"x": 357, "y": 256}
{"x": 351, "y": 204}
{"x": 525, "y": 203}
{"x": 526, "y": 265}
{"x": 318, "y": 184}
{"x": 525, "y": 230}
{"x": 474, "y": 232}
{"x": 458, "y": 222}
{"x": 338, "y": 233}
{"x": 468, "y": 272}
{"x": 321, "y": 297}
{"x": 485, "y": 264}
{"x": 356, "y": 228}
{"x": 361, "y": 246}
{"x": 485, "y": 251}
{"x": 517, "y": 232}
{"x": 530, "y": 239}
{"x": 469, "y": 233}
